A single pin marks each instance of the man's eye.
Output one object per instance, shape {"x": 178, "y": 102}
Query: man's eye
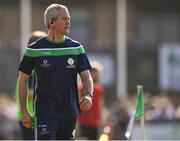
{"x": 66, "y": 19}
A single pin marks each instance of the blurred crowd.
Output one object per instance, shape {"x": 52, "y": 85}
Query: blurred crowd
{"x": 157, "y": 108}
{"x": 162, "y": 107}
{"x": 9, "y": 127}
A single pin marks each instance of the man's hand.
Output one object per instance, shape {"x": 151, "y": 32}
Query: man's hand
{"x": 27, "y": 120}
{"x": 85, "y": 103}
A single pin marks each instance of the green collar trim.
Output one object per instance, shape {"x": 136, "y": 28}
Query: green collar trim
{"x": 54, "y": 51}
{"x": 51, "y": 41}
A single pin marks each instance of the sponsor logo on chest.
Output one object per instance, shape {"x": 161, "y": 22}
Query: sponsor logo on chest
{"x": 70, "y": 62}
{"x": 45, "y": 64}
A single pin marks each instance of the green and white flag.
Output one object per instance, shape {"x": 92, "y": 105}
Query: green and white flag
{"x": 137, "y": 113}
{"x": 139, "y": 104}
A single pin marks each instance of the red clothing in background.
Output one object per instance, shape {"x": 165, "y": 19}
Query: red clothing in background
{"x": 92, "y": 117}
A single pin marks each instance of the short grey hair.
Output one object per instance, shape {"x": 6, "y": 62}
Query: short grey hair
{"x": 52, "y": 12}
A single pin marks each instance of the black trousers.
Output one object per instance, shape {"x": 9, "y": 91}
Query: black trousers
{"x": 55, "y": 128}
{"x": 91, "y": 133}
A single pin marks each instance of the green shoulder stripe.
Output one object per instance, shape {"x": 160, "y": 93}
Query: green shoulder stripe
{"x": 54, "y": 51}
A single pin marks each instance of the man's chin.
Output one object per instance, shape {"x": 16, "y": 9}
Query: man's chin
{"x": 66, "y": 33}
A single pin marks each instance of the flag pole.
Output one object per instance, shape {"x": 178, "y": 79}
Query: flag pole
{"x": 140, "y": 88}
{"x": 142, "y": 128}
{"x": 130, "y": 125}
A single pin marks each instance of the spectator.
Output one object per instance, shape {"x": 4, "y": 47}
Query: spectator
{"x": 28, "y": 133}
{"x": 90, "y": 121}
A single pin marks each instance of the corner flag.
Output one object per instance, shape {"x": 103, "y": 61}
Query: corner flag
{"x": 137, "y": 113}
{"x": 139, "y": 103}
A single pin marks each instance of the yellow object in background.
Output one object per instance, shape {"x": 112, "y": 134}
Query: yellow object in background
{"x": 104, "y": 137}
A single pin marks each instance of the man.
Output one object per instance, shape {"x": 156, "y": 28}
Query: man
{"x": 56, "y": 59}
{"x": 91, "y": 120}
{"x": 28, "y": 133}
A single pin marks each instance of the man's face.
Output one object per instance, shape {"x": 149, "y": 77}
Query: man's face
{"x": 62, "y": 24}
